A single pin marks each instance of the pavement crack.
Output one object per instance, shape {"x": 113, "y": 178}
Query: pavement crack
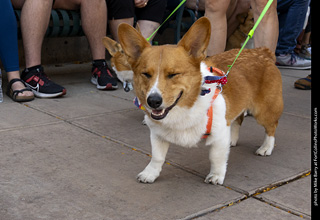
{"x": 281, "y": 183}
{"x": 245, "y": 196}
{"x": 282, "y": 207}
{"x": 215, "y": 208}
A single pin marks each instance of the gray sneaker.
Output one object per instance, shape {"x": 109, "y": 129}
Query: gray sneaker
{"x": 292, "y": 61}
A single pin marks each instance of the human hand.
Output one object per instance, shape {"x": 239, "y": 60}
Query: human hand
{"x": 140, "y": 3}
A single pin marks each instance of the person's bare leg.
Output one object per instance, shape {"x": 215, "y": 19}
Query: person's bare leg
{"x": 93, "y": 19}
{"x": 216, "y": 11}
{"x": 306, "y": 38}
{"x": 113, "y": 24}
{"x": 34, "y": 20}
{"x": 147, "y": 28}
{"x": 267, "y": 32}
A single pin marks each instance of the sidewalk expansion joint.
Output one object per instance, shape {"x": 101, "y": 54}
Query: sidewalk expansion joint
{"x": 297, "y": 115}
{"x": 216, "y": 208}
{"x": 254, "y": 196}
{"x": 283, "y": 207}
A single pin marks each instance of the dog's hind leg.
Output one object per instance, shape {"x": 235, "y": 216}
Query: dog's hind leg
{"x": 268, "y": 109}
{"x": 153, "y": 169}
{"x": 218, "y": 155}
{"x": 269, "y": 141}
{"x": 267, "y": 146}
{"x": 235, "y": 129}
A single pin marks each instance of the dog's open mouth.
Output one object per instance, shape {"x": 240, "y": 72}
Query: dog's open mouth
{"x": 158, "y": 114}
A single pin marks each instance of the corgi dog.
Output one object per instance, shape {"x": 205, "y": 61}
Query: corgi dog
{"x": 170, "y": 82}
{"x": 238, "y": 37}
{"x": 119, "y": 63}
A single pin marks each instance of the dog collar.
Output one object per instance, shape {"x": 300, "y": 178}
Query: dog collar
{"x": 220, "y": 80}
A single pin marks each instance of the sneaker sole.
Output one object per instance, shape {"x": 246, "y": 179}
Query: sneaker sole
{"x": 45, "y": 95}
{"x": 294, "y": 67}
{"x": 109, "y": 86}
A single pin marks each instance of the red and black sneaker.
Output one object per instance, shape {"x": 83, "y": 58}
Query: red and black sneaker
{"x": 102, "y": 76}
{"x": 40, "y": 84}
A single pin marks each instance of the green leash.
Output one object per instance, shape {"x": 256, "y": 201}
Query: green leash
{"x": 251, "y": 32}
{"x": 181, "y": 3}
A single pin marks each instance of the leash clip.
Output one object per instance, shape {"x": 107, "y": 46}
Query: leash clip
{"x": 220, "y": 87}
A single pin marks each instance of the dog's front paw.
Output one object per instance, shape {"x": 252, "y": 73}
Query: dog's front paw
{"x": 147, "y": 176}
{"x": 214, "y": 179}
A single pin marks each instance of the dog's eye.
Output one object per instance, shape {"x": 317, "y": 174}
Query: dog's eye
{"x": 171, "y": 75}
{"x": 147, "y": 75}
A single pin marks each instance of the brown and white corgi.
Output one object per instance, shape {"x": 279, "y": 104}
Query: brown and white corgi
{"x": 169, "y": 81}
{"x": 119, "y": 63}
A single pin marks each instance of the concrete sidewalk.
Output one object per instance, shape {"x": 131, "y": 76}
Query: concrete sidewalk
{"x": 77, "y": 157}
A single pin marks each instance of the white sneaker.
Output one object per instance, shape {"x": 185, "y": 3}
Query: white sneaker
{"x": 292, "y": 61}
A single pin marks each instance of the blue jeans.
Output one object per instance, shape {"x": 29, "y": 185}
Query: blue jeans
{"x": 8, "y": 37}
{"x": 291, "y": 14}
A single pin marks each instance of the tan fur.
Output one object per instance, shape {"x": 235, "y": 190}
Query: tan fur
{"x": 240, "y": 34}
{"x": 118, "y": 58}
{"x": 254, "y": 83}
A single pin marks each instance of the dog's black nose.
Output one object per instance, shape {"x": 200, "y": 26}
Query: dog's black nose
{"x": 154, "y": 100}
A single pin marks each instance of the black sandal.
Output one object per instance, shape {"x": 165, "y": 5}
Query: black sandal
{"x": 14, "y": 94}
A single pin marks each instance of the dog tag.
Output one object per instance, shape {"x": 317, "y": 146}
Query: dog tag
{"x": 127, "y": 86}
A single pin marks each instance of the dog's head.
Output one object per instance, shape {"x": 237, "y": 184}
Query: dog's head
{"x": 119, "y": 60}
{"x": 246, "y": 20}
{"x": 169, "y": 75}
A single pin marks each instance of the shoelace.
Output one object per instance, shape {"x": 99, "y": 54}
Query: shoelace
{"x": 294, "y": 58}
{"x": 40, "y": 77}
{"x": 43, "y": 77}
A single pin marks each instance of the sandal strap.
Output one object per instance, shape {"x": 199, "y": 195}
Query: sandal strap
{"x": 16, "y": 92}
{"x": 15, "y": 80}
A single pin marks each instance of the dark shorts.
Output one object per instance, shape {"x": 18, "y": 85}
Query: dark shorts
{"x": 120, "y": 9}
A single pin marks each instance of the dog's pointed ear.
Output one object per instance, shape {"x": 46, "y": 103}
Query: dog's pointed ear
{"x": 132, "y": 42}
{"x": 196, "y": 40}
{"x": 112, "y": 46}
